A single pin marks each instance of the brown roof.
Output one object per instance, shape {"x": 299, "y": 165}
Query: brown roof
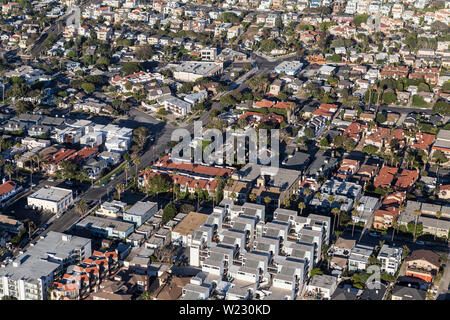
{"x": 191, "y": 222}
{"x": 345, "y": 243}
{"x": 426, "y": 255}
{"x": 7, "y": 187}
{"x": 340, "y": 261}
{"x": 172, "y": 289}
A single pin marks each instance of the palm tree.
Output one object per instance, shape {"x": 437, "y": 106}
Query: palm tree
{"x": 16, "y": 158}
{"x": 126, "y": 168}
{"x": 301, "y": 206}
{"x": 317, "y": 195}
{"x": 233, "y": 196}
{"x": 38, "y": 158}
{"x": 137, "y": 163}
{"x": 287, "y": 203}
{"x": 9, "y": 169}
{"x": 394, "y": 227}
{"x": 252, "y": 197}
{"x": 2, "y": 161}
{"x": 330, "y": 199}
{"x": 417, "y": 214}
{"x": 307, "y": 192}
{"x": 119, "y": 187}
{"x": 354, "y": 214}
{"x": 335, "y": 212}
{"x": 81, "y": 207}
{"x": 31, "y": 173}
{"x": 198, "y": 191}
{"x": 267, "y": 200}
{"x": 438, "y": 216}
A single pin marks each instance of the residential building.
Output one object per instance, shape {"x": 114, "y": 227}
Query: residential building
{"x": 359, "y": 257}
{"x": 31, "y": 273}
{"x": 423, "y": 264}
{"x": 140, "y": 212}
{"x": 53, "y": 199}
{"x": 104, "y": 227}
{"x": 390, "y": 258}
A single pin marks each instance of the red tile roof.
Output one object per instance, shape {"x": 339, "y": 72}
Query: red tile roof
{"x": 60, "y": 155}
{"x": 193, "y": 169}
{"x": 423, "y": 141}
{"x": 407, "y": 178}
{"x": 264, "y": 103}
{"x": 354, "y": 130}
{"x": 385, "y": 177}
{"x": 283, "y": 105}
{"x": 82, "y": 154}
{"x": 378, "y": 135}
{"x": 6, "y": 187}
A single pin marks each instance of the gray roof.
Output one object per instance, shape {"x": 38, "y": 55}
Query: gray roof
{"x": 279, "y": 177}
{"x": 34, "y": 262}
{"x": 321, "y": 164}
{"x": 141, "y": 208}
{"x": 409, "y": 293}
{"x": 197, "y": 67}
{"x": 323, "y": 281}
{"x": 51, "y": 194}
{"x": 104, "y": 223}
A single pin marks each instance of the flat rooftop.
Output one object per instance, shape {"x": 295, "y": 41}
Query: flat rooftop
{"x": 190, "y": 223}
{"x": 104, "y": 223}
{"x": 51, "y": 194}
{"x": 197, "y": 67}
{"x": 141, "y": 208}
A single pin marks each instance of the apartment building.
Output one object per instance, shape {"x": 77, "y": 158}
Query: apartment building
{"x": 32, "y": 272}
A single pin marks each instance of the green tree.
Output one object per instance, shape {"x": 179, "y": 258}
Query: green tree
{"x": 145, "y": 52}
{"x": 81, "y": 207}
{"x": 128, "y": 86}
{"x": 309, "y": 133}
{"x": 324, "y": 142}
{"x": 24, "y": 107}
{"x": 129, "y": 68}
{"x": 419, "y": 102}
{"x": 158, "y": 184}
{"x": 359, "y": 19}
{"x": 439, "y": 157}
{"x": 187, "y": 208}
{"x": 169, "y": 212}
{"x": 316, "y": 271}
{"x": 88, "y": 87}
{"x": 389, "y": 97}
{"x": 380, "y": 118}
{"x": 442, "y": 107}
{"x": 301, "y": 207}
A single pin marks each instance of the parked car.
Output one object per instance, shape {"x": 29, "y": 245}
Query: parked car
{"x": 420, "y": 243}
{"x": 374, "y": 234}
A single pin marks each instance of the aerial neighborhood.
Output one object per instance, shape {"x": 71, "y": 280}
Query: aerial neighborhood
{"x": 350, "y": 99}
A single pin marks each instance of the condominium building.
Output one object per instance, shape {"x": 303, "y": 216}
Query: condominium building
{"x": 31, "y": 273}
